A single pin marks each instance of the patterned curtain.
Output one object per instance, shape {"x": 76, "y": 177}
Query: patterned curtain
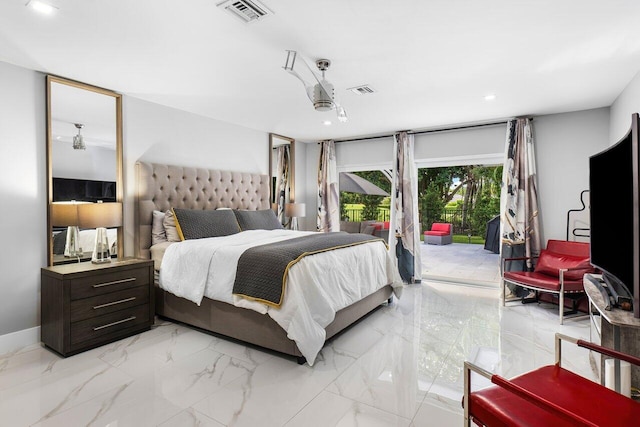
{"x": 404, "y": 215}
{"x": 519, "y": 198}
{"x": 282, "y": 180}
{"x": 328, "y": 195}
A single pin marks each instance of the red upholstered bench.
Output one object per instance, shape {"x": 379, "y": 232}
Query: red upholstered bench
{"x": 440, "y": 234}
{"x": 549, "y": 396}
{"x": 559, "y": 270}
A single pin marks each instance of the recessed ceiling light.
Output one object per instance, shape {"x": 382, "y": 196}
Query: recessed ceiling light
{"x": 327, "y": 122}
{"x": 41, "y": 7}
{"x": 58, "y": 137}
{"x": 489, "y": 97}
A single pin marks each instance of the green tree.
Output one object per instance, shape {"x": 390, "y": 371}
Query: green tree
{"x": 370, "y": 202}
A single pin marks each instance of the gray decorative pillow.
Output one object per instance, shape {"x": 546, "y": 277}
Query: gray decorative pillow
{"x": 198, "y": 224}
{"x": 258, "y": 220}
{"x": 170, "y": 227}
{"x": 158, "y": 233}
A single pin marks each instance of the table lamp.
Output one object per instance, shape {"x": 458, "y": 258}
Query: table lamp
{"x": 294, "y": 211}
{"x": 65, "y": 214}
{"x": 100, "y": 216}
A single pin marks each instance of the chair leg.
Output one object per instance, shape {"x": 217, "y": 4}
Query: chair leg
{"x": 467, "y": 392}
{"x": 561, "y": 303}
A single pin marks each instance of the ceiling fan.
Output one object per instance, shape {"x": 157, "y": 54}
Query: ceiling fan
{"x": 321, "y": 94}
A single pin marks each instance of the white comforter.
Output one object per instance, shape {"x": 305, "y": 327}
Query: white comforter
{"x": 332, "y": 280}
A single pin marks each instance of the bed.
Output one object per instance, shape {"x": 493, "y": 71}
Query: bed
{"x": 162, "y": 187}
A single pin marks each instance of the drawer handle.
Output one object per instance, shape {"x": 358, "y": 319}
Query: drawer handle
{"x": 97, "y": 328}
{"x": 115, "y": 282}
{"x": 95, "y": 307}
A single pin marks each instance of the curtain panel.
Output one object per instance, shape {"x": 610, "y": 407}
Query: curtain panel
{"x": 521, "y": 233}
{"x": 282, "y": 181}
{"x": 328, "y": 193}
{"x": 404, "y": 220}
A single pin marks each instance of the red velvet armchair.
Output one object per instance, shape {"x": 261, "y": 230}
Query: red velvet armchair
{"x": 559, "y": 270}
{"x": 549, "y": 396}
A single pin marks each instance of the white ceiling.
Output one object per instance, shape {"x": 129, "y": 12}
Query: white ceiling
{"x": 431, "y": 62}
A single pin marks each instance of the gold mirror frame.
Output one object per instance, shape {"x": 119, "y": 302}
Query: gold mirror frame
{"x": 119, "y": 168}
{"x": 273, "y": 142}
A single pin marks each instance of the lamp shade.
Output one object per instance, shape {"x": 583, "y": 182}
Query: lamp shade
{"x": 295, "y": 210}
{"x": 65, "y": 214}
{"x": 94, "y": 215}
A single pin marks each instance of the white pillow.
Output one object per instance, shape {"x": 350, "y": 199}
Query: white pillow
{"x": 170, "y": 227}
{"x": 158, "y": 233}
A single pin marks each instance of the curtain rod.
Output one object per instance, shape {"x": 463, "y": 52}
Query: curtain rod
{"x": 462, "y": 127}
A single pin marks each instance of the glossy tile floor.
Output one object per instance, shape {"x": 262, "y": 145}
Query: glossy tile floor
{"x": 461, "y": 262}
{"x": 400, "y": 366}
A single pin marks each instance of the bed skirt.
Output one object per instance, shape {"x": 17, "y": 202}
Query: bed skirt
{"x": 252, "y": 327}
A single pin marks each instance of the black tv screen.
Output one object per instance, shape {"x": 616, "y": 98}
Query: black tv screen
{"x": 614, "y": 213}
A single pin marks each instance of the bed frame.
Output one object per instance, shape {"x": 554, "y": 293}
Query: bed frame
{"x": 160, "y": 187}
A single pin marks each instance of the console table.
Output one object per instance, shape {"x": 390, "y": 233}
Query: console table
{"x": 618, "y": 329}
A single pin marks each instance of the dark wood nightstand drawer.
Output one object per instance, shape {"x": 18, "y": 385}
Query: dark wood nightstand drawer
{"x": 90, "y": 329}
{"x": 86, "y": 305}
{"x": 108, "y": 281}
{"x": 108, "y": 303}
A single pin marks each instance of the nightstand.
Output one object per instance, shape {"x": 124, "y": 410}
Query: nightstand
{"x": 86, "y": 305}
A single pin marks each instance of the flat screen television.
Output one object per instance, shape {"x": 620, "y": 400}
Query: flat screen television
{"x": 614, "y": 214}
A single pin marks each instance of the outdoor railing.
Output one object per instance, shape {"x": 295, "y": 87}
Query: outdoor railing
{"x": 356, "y": 214}
{"x": 448, "y": 215}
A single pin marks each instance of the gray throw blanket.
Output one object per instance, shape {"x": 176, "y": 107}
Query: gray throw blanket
{"x": 262, "y": 270}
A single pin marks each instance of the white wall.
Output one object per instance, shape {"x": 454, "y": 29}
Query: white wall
{"x": 94, "y": 163}
{"x": 627, "y": 103}
{"x": 563, "y": 144}
{"x": 23, "y": 194}
{"x": 151, "y": 132}
{"x": 159, "y": 134}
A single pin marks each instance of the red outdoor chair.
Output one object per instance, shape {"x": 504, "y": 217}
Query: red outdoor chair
{"x": 549, "y": 396}
{"x": 559, "y": 271}
{"x": 441, "y": 233}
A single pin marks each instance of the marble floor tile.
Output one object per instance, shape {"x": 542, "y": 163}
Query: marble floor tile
{"x": 438, "y": 411}
{"x": 402, "y": 365}
{"x": 273, "y": 392}
{"x": 141, "y": 357}
{"x": 191, "y": 418}
{"x": 136, "y": 403}
{"x": 42, "y": 398}
{"x": 329, "y": 409}
{"x": 394, "y": 375}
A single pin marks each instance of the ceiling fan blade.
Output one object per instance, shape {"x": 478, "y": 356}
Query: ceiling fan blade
{"x": 342, "y": 114}
{"x": 326, "y": 89}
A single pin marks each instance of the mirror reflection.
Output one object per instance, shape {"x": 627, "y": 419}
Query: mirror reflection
{"x": 84, "y": 159}
{"x": 281, "y": 167}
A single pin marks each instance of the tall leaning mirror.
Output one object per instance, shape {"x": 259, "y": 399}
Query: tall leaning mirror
{"x": 84, "y": 172}
{"x": 282, "y": 172}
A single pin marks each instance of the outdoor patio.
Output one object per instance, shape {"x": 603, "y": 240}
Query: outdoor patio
{"x": 458, "y": 262}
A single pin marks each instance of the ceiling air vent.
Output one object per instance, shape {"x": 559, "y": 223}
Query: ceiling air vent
{"x": 362, "y": 90}
{"x": 246, "y": 10}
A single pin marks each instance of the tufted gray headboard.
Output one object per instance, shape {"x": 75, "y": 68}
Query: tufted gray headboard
{"x": 161, "y": 187}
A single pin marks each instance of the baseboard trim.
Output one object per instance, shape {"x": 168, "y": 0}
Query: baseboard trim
{"x": 13, "y": 342}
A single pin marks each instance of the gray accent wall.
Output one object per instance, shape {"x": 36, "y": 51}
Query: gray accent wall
{"x": 564, "y": 143}
{"x": 24, "y": 196}
{"x": 152, "y": 132}
{"x": 627, "y": 103}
